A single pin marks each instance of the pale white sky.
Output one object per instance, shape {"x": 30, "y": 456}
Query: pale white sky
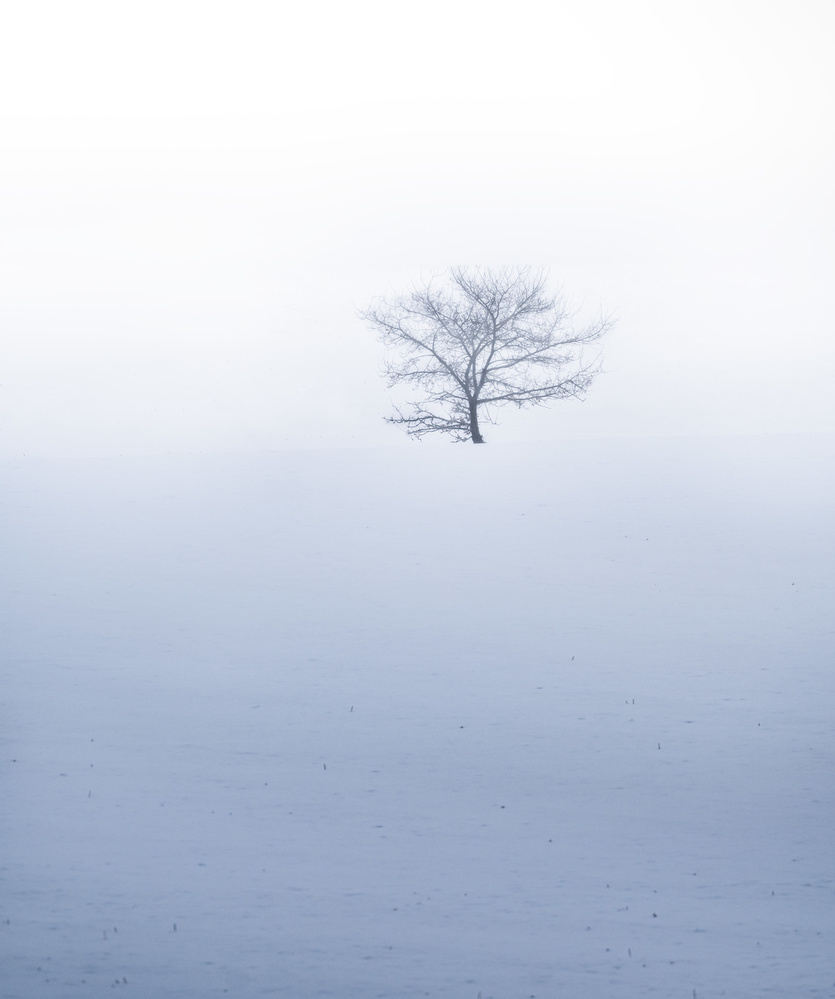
{"x": 195, "y": 199}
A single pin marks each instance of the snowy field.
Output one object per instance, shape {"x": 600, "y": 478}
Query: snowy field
{"x": 512, "y": 721}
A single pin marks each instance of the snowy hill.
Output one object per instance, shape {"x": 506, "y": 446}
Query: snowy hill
{"x": 544, "y": 720}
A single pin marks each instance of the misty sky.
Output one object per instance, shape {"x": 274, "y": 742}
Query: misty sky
{"x": 195, "y": 199}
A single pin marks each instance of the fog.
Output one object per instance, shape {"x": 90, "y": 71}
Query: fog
{"x": 196, "y": 199}
{"x": 291, "y": 706}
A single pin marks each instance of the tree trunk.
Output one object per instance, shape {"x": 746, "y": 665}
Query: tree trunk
{"x": 475, "y": 433}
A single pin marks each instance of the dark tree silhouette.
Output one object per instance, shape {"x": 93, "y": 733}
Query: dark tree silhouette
{"x": 477, "y": 339}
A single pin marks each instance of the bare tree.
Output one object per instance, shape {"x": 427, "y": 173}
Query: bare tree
{"x": 477, "y": 339}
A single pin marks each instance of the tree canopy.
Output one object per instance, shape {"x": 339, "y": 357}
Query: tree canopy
{"x": 475, "y": 339}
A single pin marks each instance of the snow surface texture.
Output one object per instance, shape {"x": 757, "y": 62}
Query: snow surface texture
{"x": 548, "y": 721}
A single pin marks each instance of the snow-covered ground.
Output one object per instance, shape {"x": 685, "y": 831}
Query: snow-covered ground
{"x": 550, "y": 721}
